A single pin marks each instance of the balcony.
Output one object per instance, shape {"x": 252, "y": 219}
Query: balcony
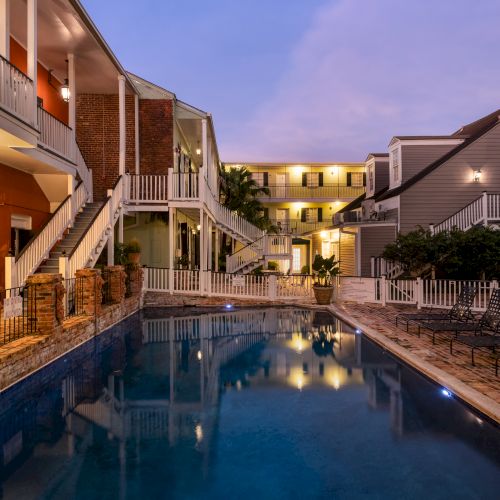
{"x": 299, "y": 192}
{"x": 16, "y": 92}
{"x": 356, "y": 217}
{"x": 55, "y": 136}
{"x": 297, "y": 227}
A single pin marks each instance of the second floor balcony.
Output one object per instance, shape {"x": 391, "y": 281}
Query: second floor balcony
{"x": 313, "y": 192}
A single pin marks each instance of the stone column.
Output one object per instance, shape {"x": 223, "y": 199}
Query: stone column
{"x": 136, "y": 276}
{"x": 89, "y": 284}
{"x": 45, "y": 302}
{"x": 116, "y": 277}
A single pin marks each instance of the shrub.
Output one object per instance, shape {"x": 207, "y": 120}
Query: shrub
{"x": 305, "y": 269}
{"x": 272, "y": 265}
{"x": 324, "y": 270}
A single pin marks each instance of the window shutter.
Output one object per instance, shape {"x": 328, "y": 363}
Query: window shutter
{"x": 304, "y": 179}
{"x": 320, "y": 215}
{"x": 302, "y": 214}
{"x": 349, "y": 182}
{"x": 364, "y": 178}
{"x": 320, "y": 179}
{"x": 266, "y": 179}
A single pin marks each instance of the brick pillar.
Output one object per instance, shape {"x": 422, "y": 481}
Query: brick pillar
{"x": 116, "y": 277}
{"x": 90, "y": 283}
{"x": 45, "y": 302}
{"x": 136, "y": 277}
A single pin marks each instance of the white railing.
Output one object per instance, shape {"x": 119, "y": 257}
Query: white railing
{"x": 38, "y": 249}
{"x": 185, "y": 186}
{"x": 482, "y": 210}
{"x": 84, "y": 172}
{"x": 401, "y": 291}
{"x": 389, "y": 268}
{"x": 187, "y": 282}
{"x": 297, "y": 226}
{"x": 88, "y": 248}
{"x": 55, "y": 135}
{"x": 17, "y": 94}
{"x": 304, "y": 192}
{"x": 231, "y": 220}
{"x": 269, "y": 246}
{"x": 147, "y": 188}
{"x": 245, "y": 285}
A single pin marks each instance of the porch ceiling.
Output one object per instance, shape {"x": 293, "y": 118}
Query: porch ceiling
{"x": 191, "y": 213}
{"x": 63, "y": 30}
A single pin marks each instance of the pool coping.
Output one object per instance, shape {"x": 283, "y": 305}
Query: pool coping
{"x": 460, "y": 389}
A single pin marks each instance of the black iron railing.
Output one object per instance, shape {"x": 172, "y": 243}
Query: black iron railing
{"x": 73, "y": 297}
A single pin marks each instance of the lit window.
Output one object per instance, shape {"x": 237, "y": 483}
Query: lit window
{"x": 296, "y": 260}
{"x": 313, "y": 179}
{"x": 311, "y": 215}
{"x": 258, "y": 177}
{"x": 371, "y": 180}
{"x": 357, "y": 179}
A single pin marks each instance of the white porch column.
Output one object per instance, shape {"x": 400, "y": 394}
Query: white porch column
{"x": 111, "y": 247}
{"x": 32, "y": 56}
{"x": 120, "y": 226}
{"x": 171, "y": 246}
{"x": 216, "y": 252}
{"x": 137, "y": 145}
{"x": 122, "y": 124}
{"x": 72, "y": 101}
{"x": 5, "y": 29}
{"x": 204, "y": 146}
{"x": 203, "y": 250}
{"x": 209, "y": 244}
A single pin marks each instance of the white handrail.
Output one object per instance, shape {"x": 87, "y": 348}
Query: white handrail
{"x": 17, "y": 93}
{"x": 55, "y": 135}
{"x": 147, "y": 188}
{"x": 84, "y": 172}
{"x": 39, "y": 248}
{"x": 186, "y": 186}
{"x": 87, "y": 248}
{"x": 464, "y": 219}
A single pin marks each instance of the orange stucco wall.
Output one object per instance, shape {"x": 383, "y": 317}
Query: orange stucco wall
{"x": 52, "y": 100}
{"x": 19, "y": 194}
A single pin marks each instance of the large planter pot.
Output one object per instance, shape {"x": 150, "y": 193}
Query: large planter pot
{"x": 134, "y": 258}
{"x": 323, "y": 294}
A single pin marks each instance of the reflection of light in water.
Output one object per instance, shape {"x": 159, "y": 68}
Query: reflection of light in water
{"x": 336, "y": 383}
{"x": 198, "y": 431}
{"x": 296, "y": 378}
{"x": 238, "y": 385}
{"x": 297, "y": 343}
{"x": 199, "y": 355}
{"x": 300, "y": 383}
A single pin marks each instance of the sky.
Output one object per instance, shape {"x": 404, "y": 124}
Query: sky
{"x": 314, "y": 80}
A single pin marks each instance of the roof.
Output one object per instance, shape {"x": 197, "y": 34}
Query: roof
{"x": 383, "y": 156}
{"x": 356, "y": 203}
{"x": 479, "y": 127}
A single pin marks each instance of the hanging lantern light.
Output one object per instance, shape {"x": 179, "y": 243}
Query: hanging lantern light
{"x": 65, "y": 91}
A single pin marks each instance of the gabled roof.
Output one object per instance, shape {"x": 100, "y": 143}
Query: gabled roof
{"x": 479, "y": 128}
{"x": 356, "y": 203}
{"x": 377, "y": 156}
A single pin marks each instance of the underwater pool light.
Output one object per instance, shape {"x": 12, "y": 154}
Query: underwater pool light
{"x": 358, "y": 331}
{"x": 446, "y": 392}
{"x": 228, "y": 306}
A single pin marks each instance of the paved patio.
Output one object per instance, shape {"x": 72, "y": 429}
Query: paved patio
{"x": 477, "y": 385}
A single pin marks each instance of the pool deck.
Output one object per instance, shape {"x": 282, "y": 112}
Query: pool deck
{"x": 476, "y": 385}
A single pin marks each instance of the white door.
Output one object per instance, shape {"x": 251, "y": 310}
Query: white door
{"x": 280, "y": 185}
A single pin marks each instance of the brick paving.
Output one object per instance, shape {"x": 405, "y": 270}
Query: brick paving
{"x": 480, "y": 377}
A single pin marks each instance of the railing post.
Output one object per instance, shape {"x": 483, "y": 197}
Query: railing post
{"x": 419, "y": 292}
{"x": 431, "y": 228}
{"x": 64, "y": 266}
{"x": 10, "y": 272}
{"x": 485, "y": 207}
{"x": 272, "y": 286}
{"x": 372, "y": 267}
{"x": 383, "y": 290}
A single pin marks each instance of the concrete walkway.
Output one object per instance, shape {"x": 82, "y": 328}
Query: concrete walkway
{"x": 476, "y": 385}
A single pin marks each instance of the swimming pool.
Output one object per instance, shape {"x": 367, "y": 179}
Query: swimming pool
{"x": 252, "y": 403}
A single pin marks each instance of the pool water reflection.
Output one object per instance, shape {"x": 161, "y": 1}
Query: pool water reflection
{"x": 269, "y": 403}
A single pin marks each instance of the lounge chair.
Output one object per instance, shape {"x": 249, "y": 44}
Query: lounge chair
{"x": 488, "y": 328}
{"x": 459, "y": 312}
{"x": 477, "y": 327}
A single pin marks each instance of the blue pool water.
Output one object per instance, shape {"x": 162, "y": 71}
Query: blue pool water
{"x": 263, "y": 403}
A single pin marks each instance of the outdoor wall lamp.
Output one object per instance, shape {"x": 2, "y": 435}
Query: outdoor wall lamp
{"x": 477, "y": 175}
{"x": 65, "y": 94}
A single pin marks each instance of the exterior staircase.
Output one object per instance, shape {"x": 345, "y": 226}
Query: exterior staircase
{"x": 71, "y": 238}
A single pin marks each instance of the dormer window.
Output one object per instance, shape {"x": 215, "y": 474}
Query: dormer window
{"x": 371, "y": 179}
{"x": 395, "y": 161}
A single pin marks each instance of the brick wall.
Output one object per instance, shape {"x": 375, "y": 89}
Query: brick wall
{"x": 97, "y": 133}
{"x": 156, "y": 126}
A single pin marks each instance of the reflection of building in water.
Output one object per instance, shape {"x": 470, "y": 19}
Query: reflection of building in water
{"x": 160, "y": 386}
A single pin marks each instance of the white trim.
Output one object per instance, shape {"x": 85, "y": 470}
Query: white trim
{"x": 426, "y": 142}
{"x": 371, "y": 163}
{"x": 388, "y": 204}
{"x": 393, "y": 183}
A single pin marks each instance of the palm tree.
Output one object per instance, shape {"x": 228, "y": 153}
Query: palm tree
{"x": 239, "y": 192}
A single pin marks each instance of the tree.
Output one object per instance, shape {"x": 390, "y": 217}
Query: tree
{"x": 239, "y": 193}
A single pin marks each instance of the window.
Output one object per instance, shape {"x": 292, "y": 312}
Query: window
{"x": 296, "y": 267}
{"x": 371, "y": 179}
{"x": 357, "y": 179}
{"x": 312, "y": 179}
{"x": 395, "y": 160}
{"x": 261, "y": 178}
{"x": 311, "y": 215}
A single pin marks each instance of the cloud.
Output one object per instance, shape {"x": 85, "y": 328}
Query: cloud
{"x": 366, "y": 70}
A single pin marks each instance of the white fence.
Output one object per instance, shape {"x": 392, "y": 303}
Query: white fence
{"x": 146, "y": 188}
{"x": 185, "y": 186}
{"x": 55, "y": 135}
{"x": 417, "y": 292}
{"x": 17, "y": 94}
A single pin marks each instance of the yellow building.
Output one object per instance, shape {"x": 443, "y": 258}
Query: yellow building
{"x": 303, "y": 198}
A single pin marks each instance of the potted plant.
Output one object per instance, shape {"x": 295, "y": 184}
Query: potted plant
{"x": 183, "y": 261}
{"x": 133, "y": 251}
{"x": 324, "y": 269}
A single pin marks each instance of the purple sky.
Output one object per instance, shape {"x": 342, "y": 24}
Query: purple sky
{"x": 314, "y": 80}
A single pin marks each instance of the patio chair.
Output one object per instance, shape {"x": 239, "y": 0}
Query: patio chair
{"x": 477, "y": 327}
{"x": 489, "y": 330}
{"x": 459, "y": 312}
